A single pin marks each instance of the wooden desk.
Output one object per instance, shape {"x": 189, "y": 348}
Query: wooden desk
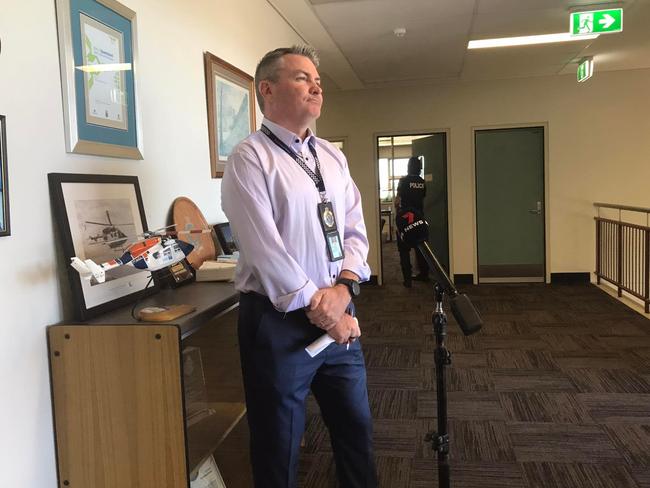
{"x": 118, "y": 391}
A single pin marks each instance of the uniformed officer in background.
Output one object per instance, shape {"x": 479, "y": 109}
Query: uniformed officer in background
{"x": 411, "y": 191}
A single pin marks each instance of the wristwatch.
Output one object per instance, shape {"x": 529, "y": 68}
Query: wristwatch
{"x": 352, "y": 286}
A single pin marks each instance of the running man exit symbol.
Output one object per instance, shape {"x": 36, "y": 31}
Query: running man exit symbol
{"x": 596, "y": 22}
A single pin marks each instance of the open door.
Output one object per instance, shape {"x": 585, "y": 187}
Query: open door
{"x": 433, "y": 150}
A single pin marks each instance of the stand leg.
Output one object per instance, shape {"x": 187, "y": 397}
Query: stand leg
{"x": 440, "y": 439}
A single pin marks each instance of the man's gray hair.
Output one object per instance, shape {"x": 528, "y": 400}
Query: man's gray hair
{"x": 268, "y": 67}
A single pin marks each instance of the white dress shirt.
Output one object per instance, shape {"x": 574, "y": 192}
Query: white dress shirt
{"x": 271, "y": 204}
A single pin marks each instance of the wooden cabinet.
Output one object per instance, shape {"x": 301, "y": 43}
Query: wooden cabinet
{"x": 118, "y": 397}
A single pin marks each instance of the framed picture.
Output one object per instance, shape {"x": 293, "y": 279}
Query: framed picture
{"x": 98, "y": 57}
{"x": 225, "y": 237}
{"x": 231, "y": 109}
{"x": 4, "y": 181}
{"x": 99, "y": 216}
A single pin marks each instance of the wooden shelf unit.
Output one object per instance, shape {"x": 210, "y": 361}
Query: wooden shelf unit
{"x": 118, "y": 392}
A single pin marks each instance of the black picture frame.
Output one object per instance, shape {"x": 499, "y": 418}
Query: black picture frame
{"x": 82, "y": 206}
{"x": 5, "y": 228}
{"x": 225, "y": 237}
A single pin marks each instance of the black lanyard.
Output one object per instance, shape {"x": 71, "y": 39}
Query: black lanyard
{"x": 316, "y": 177}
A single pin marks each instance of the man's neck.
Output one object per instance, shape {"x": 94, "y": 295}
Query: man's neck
{"x": 300, "y": 130}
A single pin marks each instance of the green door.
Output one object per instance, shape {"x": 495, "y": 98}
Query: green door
{"x": 510, "y": 204}
{"x": 433, "y": 150}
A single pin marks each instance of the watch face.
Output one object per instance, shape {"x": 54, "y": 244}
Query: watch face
{"x": 356, "y": 289}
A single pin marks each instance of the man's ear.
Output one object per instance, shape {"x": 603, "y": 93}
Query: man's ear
{"x": 265, "y": 88}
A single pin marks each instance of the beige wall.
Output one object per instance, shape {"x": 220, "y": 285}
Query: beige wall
{"x": 172, "y": 37}
{"x": 598, "y": 148}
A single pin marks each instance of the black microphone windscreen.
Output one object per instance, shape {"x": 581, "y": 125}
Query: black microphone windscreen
{"x": 465, "y": 314}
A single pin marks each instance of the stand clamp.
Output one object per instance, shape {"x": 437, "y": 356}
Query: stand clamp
{"x": 440, "y": 443}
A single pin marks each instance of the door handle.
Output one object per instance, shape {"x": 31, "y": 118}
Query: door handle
{"x": 538, "y": 210}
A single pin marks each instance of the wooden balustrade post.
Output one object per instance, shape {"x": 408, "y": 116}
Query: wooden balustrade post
{"x": 646, "y": 271}
{"x": 598, "y": 251}
{"x": 619, "y": 258}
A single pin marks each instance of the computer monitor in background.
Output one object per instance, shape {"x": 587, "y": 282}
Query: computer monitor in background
{"x": 226, "y": 241}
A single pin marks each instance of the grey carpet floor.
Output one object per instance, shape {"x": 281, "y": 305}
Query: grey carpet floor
{"x": 553, "y": 392}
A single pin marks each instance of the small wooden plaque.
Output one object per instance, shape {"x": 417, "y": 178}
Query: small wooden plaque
{"x": 165, "y": 313}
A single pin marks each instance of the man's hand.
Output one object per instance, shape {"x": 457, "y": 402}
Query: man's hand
{"x": 327, "y": 306}
{"x": 345, "y": 330}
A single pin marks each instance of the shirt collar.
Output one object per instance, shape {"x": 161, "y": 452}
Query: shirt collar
{"x": 289, "y": 138}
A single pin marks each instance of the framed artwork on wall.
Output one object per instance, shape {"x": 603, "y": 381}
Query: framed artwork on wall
{"x": 231, "y": 109}
{"x": 4, "y": 181}
{"x": 98, "y": 58}
{"x": 98, "y": 217}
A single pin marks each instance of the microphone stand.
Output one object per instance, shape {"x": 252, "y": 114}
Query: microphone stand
{"x": 414, "y": 231}
{"x": 440, "y": 439}
{"x": 470, "y": 322}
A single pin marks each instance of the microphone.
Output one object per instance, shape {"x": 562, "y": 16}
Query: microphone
{"x": 414, "y": 231}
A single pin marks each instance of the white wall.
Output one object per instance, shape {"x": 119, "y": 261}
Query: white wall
{"x": 598, "y": 142}
{"x": 172, "y": 37}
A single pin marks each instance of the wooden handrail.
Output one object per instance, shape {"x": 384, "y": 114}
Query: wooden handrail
{"x": 622, "y": 207}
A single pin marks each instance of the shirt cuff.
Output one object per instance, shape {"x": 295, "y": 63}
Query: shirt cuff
{"x": 357, "y": 266}
{"x": 297, "y": 299}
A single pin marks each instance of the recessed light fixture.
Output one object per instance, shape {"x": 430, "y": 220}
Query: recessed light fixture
{"x": 399, "y": 31}
{"x": 527, "y": 40}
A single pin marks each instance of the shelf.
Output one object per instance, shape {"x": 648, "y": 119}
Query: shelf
{"x": 205, "y": 436}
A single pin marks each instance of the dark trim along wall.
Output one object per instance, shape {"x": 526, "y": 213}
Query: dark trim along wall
{"x": 570, "y": 278}
{"x": 463, "y": 279}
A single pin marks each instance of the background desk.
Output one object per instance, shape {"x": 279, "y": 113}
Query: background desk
{"x": 118, "y": 392}
{"x": 388, "y": 215}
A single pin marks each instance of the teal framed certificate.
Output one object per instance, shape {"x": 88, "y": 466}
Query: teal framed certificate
{"x": 98, "y": 56}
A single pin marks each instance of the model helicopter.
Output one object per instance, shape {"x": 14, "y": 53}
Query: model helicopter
{"x": 110, "y": 235}
{"x": 153, "y": 252}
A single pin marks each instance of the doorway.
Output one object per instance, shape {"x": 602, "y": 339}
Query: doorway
{"x": 393, "y": 153}
{"x": 510, "y": 204}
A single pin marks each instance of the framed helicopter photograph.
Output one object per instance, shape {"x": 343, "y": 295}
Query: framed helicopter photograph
{"x": 98, "y": 217}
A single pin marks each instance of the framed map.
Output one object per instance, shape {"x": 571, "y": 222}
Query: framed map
{"x": 231, "y": 109}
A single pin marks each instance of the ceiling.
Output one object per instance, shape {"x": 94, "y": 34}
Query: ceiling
{"x": 359, "y": 50}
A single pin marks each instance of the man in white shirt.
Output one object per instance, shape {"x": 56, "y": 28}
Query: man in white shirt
{"x": 296, "y": 216}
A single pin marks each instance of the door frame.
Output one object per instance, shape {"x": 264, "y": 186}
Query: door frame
{"x": 416, "y": 132}
{"x": 547, "y": 233}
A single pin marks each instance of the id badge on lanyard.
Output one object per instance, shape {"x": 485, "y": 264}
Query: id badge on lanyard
{"x": 330, "y": 231}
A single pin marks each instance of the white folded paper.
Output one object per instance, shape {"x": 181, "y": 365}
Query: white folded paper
{"x": 316, "y": 347}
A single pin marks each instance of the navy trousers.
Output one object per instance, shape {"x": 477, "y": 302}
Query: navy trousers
{"x": 278, "y": 374}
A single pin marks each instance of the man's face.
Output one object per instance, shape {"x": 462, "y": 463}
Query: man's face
{"x": 296, "y": 95}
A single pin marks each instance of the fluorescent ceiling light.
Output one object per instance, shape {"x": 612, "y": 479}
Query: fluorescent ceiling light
{"x": 526, "y": 40}
{"x": 97, "y": 68}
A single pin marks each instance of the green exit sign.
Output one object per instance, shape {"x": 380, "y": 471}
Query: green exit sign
{"x": 585, "y": 69}
{"x": 597, "y": 22}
